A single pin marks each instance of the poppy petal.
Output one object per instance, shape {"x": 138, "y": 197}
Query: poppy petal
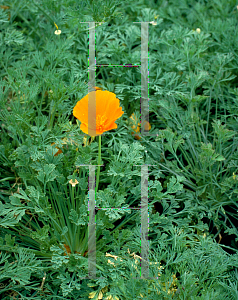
{"x": 108, "y": 110}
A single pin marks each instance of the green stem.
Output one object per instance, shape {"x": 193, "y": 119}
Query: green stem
{"x": 99, "y": 161}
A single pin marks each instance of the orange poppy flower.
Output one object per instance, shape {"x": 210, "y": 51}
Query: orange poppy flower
{"x": 108, "y": 110}
{"x": 134, "y": 122}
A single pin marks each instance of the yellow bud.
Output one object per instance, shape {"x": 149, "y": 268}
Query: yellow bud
{"x": 92, "y": 295}
{"x": 100, "y": 295}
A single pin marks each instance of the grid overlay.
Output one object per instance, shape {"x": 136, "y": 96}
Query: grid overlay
{"x": 144, "y": 168}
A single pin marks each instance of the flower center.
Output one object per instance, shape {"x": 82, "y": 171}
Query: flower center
{"x": 100, "y": 122}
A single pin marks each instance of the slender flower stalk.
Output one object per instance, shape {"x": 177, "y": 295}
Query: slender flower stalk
{"x": 99, "y": 161}
{"x": 108, "y": 110}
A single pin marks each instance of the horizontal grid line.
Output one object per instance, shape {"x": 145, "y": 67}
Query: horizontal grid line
{"x": 109, "y": 65}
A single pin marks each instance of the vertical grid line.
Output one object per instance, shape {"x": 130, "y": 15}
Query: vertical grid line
{"x": 91, "y": 225}
{"x": 92, "y": 81}
{"x": 144, "y": 222}
{"x": 144, "y": 78}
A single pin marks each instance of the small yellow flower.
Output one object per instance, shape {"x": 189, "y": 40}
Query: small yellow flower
{"x": 57, "y": 31}
{"x": 133, "y": 121}
{"x": 198, "y": 30}
{"x": 110, "y": 255}
{"x": 87, "y": 143}
{"x": 110, "y": 262}
{"x": 73, "y": 183}
{"x": 112, "y": 298}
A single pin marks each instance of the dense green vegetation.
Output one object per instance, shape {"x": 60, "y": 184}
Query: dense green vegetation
{"x": 191, "y": 150}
